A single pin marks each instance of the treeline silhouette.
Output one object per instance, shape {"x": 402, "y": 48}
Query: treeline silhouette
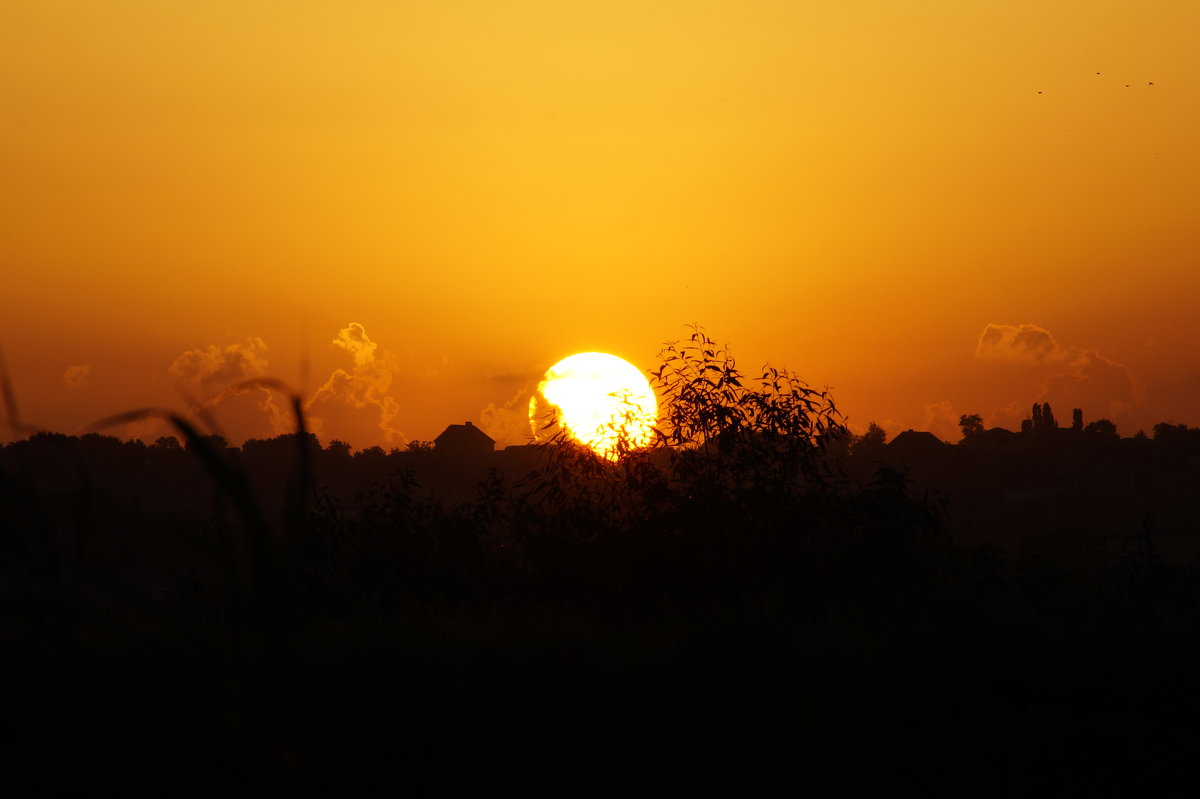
{"x": 1048, "y": 486}
{"x": 760, "y": 600}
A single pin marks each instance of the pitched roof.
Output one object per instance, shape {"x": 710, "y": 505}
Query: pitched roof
{"x": 916, "y": 439}
{"x": 464, "y": 435}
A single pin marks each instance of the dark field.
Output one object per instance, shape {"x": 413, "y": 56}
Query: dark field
{"x": 422, "y": 623}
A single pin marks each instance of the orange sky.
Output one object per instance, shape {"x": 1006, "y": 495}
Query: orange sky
{"x": 193, "y": 193}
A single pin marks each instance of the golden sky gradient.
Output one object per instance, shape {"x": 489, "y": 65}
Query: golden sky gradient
{"x": 193, "y": 193}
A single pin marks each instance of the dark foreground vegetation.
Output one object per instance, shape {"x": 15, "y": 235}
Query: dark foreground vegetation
{"x": 732, "y": 610}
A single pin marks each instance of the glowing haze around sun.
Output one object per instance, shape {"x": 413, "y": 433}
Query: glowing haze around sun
{"x": 598, "y": 399}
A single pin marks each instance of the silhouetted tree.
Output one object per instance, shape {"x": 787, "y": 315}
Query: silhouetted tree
{"x": 1041, "y": 420}
{"x": 338, "y": 447}
{"x": 705, "y": 398}
{"x": 1177, "y": 440}
{"x": 971, "y": 424}
{"x": 281, "y": 448}
{"x": 1048, "y": 420}
{"x": 765, "y": 428}
{"x": 1101, "y": 427}
{"x": 1077, "y": 419}
{"x": 371, "y": 453}
{"x": 166, "y": 444}
{"x": 1165, "y": 431}
{"x": 871, "y": 441}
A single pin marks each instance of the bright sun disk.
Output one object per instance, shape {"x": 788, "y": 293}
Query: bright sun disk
{"x": 598, "y": 399}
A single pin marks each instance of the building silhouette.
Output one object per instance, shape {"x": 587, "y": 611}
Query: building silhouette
{"x": 464, "y": 441}
{"x": 912, "y": 442}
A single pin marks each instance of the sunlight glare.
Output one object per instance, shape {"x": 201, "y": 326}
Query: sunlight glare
{"x": 599, "y": 399}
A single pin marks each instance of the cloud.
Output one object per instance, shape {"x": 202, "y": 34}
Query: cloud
{"x": 77, "y": 376}
{"x": 1098, "y": 385}
{"x": 354, "y": 340}
{"x": 509, "y": 423}
{"x": 1008, "y": 416}
{"x": 215, "y": 372}
{"x": 362, "y": 388}
{"x": 1027, "y": 343}
{"x": 941, "y": 419}
{"x": 216, "y": 367}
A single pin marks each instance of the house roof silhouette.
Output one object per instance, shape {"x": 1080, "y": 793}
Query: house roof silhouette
{"x": 992, "y": 438}
{"x": 915, "y": 441}
{"x": 463, "y": 438}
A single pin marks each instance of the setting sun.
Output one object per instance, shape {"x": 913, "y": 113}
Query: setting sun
{"x": 601, "y": 401}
